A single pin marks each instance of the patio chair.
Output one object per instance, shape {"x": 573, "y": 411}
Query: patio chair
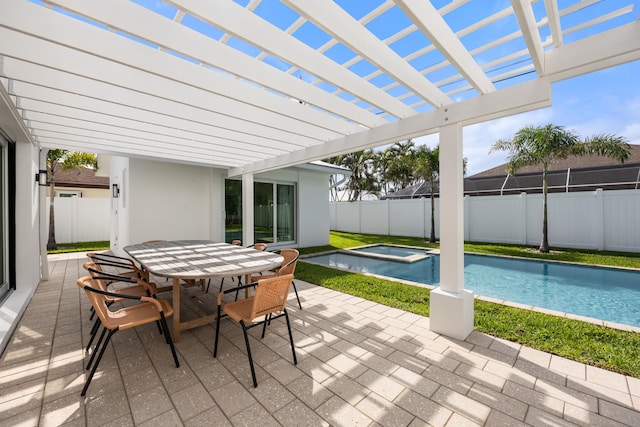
{"x": 125, "y": 285}
{"x": 118, "y": 265}
{"x": 268, "y": 303}
{"x": 288, "y": 267}
{"x": 146, "y": 311}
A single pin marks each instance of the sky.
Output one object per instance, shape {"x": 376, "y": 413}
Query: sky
{"x": 606, "y": 101}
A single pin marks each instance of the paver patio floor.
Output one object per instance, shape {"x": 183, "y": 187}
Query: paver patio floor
{"x": 359, "y": 364}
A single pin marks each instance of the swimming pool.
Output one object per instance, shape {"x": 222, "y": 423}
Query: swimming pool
{"x": 602, "y": 293}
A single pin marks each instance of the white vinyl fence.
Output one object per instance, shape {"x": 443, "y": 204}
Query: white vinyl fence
{"x": 81, "y": 219}
{"x": 602, "y": 220}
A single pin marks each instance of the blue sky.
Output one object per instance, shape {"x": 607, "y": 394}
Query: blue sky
{"x": 606, "y": 101}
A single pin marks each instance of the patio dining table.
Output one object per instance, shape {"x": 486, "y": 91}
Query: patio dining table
{"x": 198, "y": 260}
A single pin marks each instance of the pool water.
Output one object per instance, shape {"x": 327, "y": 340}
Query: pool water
{"x": 602, "y": 293}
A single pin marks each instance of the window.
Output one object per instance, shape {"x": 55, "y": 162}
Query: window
{"x": 274, "y": 211}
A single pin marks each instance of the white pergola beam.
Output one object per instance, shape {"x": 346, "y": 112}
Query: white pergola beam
{"x": 429, "y": 21}
{"x": 234, "y": 19}
{"x": 335, "y": 21}
{"x": 505, "y": 102}
{"x": 146, "y": 25}
{"x": 614, "y": 47}
{"x": 553, "y": 17}
{"x": 527, "y": 21}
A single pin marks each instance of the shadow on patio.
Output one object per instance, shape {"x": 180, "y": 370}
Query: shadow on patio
{"x": 360, "y": 363}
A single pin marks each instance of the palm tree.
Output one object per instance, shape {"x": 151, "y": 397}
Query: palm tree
{"x": 57, "y": 160}
{"x": 400, "y": 164}
{"x": 533, "y": 145}
{"x": 362, "y": 180}
{"x": 427, "y": 168}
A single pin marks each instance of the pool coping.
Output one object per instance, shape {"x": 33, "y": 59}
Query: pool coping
{"x": 406, "y": 259}
{"x": 592, "y": 320}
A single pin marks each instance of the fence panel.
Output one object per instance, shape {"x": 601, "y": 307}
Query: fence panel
{"x": 590, "y": 220}
{"x": 81, "y": 219}
{"x": 374, "y": 218}
{"x": 621, "y": 223}
{"x": 408, "y": 217}
{"x": 497, "y": 219}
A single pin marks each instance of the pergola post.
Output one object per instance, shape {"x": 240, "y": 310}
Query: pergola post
{"x": 451, "y": 306}
{"x": 247, "y": 209}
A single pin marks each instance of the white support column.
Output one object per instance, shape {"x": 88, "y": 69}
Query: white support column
{"x": 43, "y": 210}
{"x": 451, "y": 305}
{"x": 247, "y": 209}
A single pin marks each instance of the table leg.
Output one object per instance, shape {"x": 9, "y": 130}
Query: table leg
{"x": 176, "y": 310}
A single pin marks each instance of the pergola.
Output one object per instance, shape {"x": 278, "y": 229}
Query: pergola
{"x": 256, "y": 85}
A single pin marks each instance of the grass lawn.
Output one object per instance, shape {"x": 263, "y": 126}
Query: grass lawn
{"x": 607, "y": 348}
{"x": 81, "y": 247}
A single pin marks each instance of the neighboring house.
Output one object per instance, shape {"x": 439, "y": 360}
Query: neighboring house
{"x": 81, "y": 182}
{"x": 585, "y": 173}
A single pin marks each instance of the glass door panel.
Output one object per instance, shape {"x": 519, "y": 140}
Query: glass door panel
{"x": 263, "y": 212}
{"x": 232, "y": 210}
{"x": 286, "y": 213}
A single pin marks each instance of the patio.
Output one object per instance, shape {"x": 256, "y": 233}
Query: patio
{"x": 360, "y": 363}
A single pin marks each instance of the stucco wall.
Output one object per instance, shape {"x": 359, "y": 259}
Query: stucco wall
{"x": 173, "y": 201}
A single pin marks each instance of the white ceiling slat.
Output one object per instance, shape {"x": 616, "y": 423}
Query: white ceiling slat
{"x": 39, "y": 120}
{"x": 553, "y": 17}
{"x": 529, "y": 28}
{"x": 65, "y": 31}
{"x": 232, "y": 18}
{"x": 107, "y": 147}
{"x": 500, "y": 103}
{"x": 146, "y": 25}
{"x": 335, "y": 21}
{"x": 122, "y": 140}
{"x": 429, "y": 21}
{"x": 600, "y": 19}
{"x": 65, "y": 105}
{"x": 124, "y": 102}
{"x": 48, "y": 112}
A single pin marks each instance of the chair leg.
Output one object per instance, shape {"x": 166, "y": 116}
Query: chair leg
{"x": 208, "y": 284}
{"x": 246, "y": 340}
{"x": 167, "y": 335}
{"x": 215, "y": 345}
{"x": 293, "y": 349}
{"x": 94, "y": 331}
{"x": 264, "y": 324}
{"x": 95, "y": 350}
{"x": 296, "y": 291}
{"x": 93, "y": 313}
{"x": 93, "y": 371}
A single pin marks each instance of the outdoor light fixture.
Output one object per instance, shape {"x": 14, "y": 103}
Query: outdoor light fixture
{"x": 115, "y": 191}
{"x": 41, "y": 177}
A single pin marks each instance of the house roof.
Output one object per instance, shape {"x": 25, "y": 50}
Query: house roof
{"x": 585, "y": 173}
{"x": 255, "y": 85}
{"x": 571, "y": 162}
{"x": 80, "y": 177}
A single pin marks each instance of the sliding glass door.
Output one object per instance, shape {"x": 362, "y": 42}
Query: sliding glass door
{"x": 274, "y": 211}
{"x": 4, "y": 237}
